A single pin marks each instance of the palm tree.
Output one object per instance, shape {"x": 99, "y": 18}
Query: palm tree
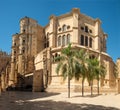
{"x": 91, "y": 73}
{"x": 100, "y": 74}
{"x": 66, "y": 65}
{"x": 81, "y": 57}
{"x": 96, "y": 71}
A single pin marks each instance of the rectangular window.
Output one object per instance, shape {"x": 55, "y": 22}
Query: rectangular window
{"x": 90, "y": 42}
{"x": 86, "y": 29}
{"x": 86, "y": 41}
{"x": 82, "y": 40}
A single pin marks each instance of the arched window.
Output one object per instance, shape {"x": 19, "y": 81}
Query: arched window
{"x": 90, "y": 42}
{"x": 82, "y": 40}
{"x": 63, "y": 40}
{"x": 59, "y": 41}
{"x": 64, "y": 27}
{"x": 86, "y": 41}
{"x": 68, "y": 39}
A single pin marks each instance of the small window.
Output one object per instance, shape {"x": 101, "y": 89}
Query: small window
{"x": 64, "y": 28}
{"x": 82, "y": 28}
{"x": 14, "y": 52}
{"x": 23, "y": 50}
{"x": 23, "y": 41}
{"x": 90, "y": 31}
{"x": 59, "y": 29}
{"x": 86, "y": 29}
{"x": 68, "y": 27}
{"x": 23, "y": 30}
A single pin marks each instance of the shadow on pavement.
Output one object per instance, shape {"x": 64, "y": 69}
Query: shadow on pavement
{"x": 53, "y": 105}
{"x": 18, "y": 101}
{"x": 89, "y": 96}
{"x": 19, "y": 95}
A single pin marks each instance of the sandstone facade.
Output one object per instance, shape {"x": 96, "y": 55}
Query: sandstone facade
{"x": 35, "y": 47}
{"x": 83, "y": 32}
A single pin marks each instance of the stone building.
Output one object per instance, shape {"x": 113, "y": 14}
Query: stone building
{"x": 118, "y": 72}
{"x": 25, "y": 45}
{"x": 4, "y": 70}
{"x": 43, "y": 44}
{"x": 83, "y": 32}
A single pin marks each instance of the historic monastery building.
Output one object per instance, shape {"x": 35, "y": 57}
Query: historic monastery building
{"x": 35, "y": 47}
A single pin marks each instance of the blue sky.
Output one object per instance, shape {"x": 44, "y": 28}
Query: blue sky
{"x": 11, "y": 11}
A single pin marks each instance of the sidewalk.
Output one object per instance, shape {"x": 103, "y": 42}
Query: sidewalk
{"x": 58, "y": 101}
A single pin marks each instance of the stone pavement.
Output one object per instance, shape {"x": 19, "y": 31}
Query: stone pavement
{"x": 13, "y": 100}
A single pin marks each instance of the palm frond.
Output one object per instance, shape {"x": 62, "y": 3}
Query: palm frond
{"x": 58, "y": 67}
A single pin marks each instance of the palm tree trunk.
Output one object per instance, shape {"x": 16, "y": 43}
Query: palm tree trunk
{"x": 98, "y": 87}
{"x": 68, "y": 86}
{"x": 82, "y": 87}
{"x": 91, "y": 88}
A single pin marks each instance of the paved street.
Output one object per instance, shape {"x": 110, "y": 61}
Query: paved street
{"x": 57, "y": 101}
